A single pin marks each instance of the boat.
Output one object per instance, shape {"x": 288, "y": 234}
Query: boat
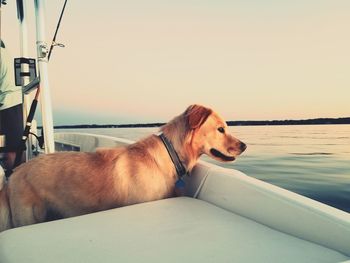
{"x": 225, "y": 216}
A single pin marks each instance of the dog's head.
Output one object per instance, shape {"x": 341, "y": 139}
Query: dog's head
{"x": 209, "y": 134}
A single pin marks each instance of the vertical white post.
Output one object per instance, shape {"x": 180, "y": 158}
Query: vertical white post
{"x": 42, "y": 51}
{"x": 23, "y": 38}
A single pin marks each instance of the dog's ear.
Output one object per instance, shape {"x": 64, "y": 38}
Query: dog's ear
{"x": 196, "y": 115}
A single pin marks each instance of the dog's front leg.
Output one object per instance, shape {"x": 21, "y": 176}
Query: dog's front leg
{"x": 26, "y": 208}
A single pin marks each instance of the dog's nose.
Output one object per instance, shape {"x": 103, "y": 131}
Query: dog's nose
{"x": 242, "y": 146}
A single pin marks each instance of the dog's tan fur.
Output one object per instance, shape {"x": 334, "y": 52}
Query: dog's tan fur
{"x": 68, "y": 184}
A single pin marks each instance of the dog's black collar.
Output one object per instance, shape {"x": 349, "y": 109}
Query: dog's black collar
{"x": 180, "y": 168}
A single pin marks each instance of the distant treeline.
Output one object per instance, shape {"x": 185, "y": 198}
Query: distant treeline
{"x": 318, "y": 121}
{"x": 96, "y": 126}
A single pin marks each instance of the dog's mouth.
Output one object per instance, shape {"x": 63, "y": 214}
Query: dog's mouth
{"x": 221, "y": 156}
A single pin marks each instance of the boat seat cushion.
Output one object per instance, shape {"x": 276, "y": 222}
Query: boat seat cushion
{"x": 172, "y": 230}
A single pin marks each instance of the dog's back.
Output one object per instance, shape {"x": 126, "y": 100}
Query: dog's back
{"x": 64, "y": 184}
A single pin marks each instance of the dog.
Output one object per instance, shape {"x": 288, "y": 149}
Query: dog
{"x": 67, "y": 184}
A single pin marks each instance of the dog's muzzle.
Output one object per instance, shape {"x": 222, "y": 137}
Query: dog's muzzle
{"x": 221, "y": 156}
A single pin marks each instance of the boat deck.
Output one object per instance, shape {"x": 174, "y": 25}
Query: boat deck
{"x": 172, "y": 230}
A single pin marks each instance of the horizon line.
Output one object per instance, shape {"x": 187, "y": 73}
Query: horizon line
{"x": 315, "y": 121}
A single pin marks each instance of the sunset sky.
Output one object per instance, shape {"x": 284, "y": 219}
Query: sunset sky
{"x": 146, "y": 61}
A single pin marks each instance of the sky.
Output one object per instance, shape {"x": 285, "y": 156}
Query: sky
{"x": 142, "y": 61}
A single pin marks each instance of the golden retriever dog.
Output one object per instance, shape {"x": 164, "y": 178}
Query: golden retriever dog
{"x": 67, "y": 184}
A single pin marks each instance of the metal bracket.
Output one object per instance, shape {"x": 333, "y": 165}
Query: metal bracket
{"x": 56, "y": 44}
{"x": 19, "y": 73}
{"x": 42, "y": 50}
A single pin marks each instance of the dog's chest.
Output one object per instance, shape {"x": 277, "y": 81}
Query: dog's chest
{"x": 153, "y": 186}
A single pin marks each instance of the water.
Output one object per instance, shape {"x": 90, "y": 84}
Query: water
{"x": 313, "y": 161}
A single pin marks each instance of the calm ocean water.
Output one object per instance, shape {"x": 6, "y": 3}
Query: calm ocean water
{"x": 313, "y": 161}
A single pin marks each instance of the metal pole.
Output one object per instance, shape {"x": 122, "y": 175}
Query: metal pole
{"x": 23, "y": 38}
{"x": 42, "y": 52}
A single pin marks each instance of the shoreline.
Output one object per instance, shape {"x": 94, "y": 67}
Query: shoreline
{"x": 318, "y": 121}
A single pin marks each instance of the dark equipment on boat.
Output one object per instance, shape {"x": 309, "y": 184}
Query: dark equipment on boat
{"x": 22, "y": 145}
{"x": 19, "y": 74}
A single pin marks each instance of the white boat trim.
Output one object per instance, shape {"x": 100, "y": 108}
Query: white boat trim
{"x": 88, "y": 142}
{"x": 277, "y": 208}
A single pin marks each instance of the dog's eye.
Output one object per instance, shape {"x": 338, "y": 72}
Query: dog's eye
{"x": 221, "y": 129}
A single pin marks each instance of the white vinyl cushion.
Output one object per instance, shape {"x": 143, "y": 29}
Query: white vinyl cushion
{"x": 172, "y": 230}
